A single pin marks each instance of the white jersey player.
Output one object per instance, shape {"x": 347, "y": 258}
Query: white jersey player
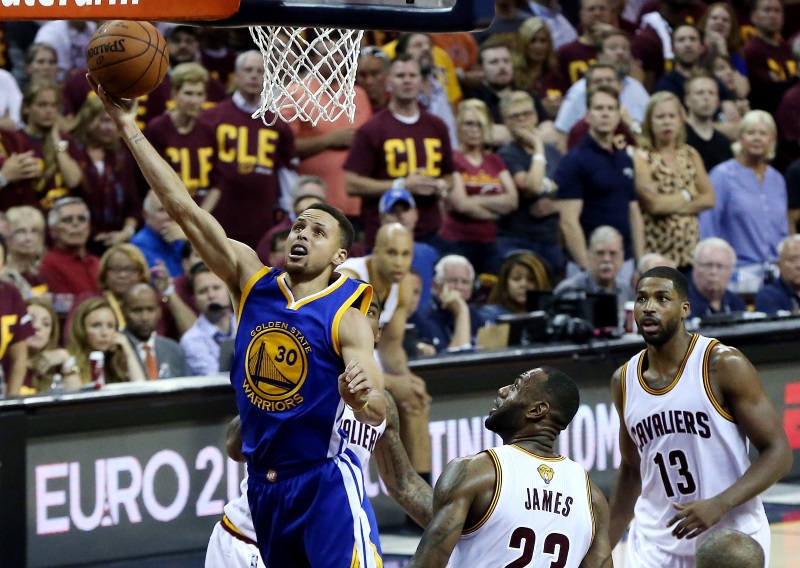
{"x": 687, "y": 406}
{"x": 520, "y": 504}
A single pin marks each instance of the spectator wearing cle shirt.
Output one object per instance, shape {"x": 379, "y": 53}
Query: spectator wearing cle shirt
{"x": 15, "y": 330}
{"x": 575, "y": 57}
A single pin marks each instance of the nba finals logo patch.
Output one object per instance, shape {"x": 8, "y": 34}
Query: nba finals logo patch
{"x": 277, "y": 366}
{"x": 546, "y": 472}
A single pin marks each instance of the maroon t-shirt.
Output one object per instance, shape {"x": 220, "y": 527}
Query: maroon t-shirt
{"x": 249, "y": 154}
{"x": 110, "y": 190}
{"x": 690, "y": 13}
{"x": 574, "y": 59}
{"x": 648, "y": 50}
{"x": 49, "y": 189}
{"x": 771, "y": 70}
{"x": 483, "y": 179}
{"x": 19, "y": 192}
{"x": 76, "y": 89}
{"x": 385, "y": 148}
{"x": 220, "y": 68}
{"x": 786, "y": 117}
{"x": 154, "y": 104}
{"x": 551, "y": 85}
{"x": 191, "y": 155}
{"x": 622, "y": 135}
{"x": 15, "y": 325}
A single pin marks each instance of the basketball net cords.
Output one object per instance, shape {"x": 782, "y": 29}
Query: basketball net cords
{"x": 297, "y": 87}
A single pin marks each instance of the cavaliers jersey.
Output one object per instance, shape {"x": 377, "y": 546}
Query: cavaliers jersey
{"x": 540, "y": 516}
{"x": 287, "y": 360}
{"x": 360, "y": 266}
{"x": 690, "y": 448}
{"x": 361, "y": 440}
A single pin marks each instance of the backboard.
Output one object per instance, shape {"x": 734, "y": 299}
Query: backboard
{"x": 398, "y": 15}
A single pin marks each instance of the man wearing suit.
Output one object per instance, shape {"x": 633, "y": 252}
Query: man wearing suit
{"x": 161, "y": 357}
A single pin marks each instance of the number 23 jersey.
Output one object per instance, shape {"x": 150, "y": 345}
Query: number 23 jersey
{"x": 541, "y": 515}
{"x": 690, "y": 448}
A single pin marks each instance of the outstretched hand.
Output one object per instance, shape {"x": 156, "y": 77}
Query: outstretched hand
{"x": 118, "y": 108}
{"x": 695, "y": 518}
{"x": 354, "y": 385}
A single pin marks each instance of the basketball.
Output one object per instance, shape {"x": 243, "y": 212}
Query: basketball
{"x": 128, "y": 59}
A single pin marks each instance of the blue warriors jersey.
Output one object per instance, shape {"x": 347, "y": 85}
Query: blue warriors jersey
{"x": 286, "y": 365}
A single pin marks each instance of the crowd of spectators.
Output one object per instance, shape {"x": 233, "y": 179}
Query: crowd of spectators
{"x": 562, "y": 148}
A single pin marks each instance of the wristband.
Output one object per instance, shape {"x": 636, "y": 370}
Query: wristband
{"x": 169, "y": 291}
{"x": 3, "y": 181}
{"x": 399, "y": 183}
{"x": 360, "y": 409}
{"x": 539, "y": 158}
{"x": 686, "y": 195}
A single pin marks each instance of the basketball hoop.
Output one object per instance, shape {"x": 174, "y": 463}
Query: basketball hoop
{"x": 309, "y": 73}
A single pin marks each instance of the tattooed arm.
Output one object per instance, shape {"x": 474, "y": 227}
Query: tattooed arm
{"x": 599, "y": 553}
{"x": 405, "y": 485}
{"x": 462, "y": 497}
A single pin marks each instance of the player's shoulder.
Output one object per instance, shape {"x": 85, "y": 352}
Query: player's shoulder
{"x": 725, "y": 358}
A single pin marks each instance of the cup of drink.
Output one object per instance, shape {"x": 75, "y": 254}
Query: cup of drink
{"x": 97, "y": 365}
{"x": 630, "y": 323}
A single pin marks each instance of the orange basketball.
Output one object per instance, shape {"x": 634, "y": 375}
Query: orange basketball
{"x": 128, "y": 59}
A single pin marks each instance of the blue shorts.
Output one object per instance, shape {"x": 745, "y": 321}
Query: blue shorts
{"x": 314, "y": 518}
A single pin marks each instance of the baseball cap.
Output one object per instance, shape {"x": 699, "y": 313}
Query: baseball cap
{"x": 393, "y": 196}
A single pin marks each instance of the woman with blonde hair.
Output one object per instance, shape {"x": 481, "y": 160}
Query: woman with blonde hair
{"x": 483, "y": 190}
{"x": 61, "y": 174}
{"x": 26, "y": 246}
{"x": 45, "y": 357}
{"x": 536, "y": 67}
{"x": 124, "y": 265}
{"x": 41, "y": 63}
{"x": 671, "y": 181}
{"x": 520, "y": 273}
{"x": 751, "y": 212}
{"x": 94, "y": 327}
{"x": 109, "y": 181}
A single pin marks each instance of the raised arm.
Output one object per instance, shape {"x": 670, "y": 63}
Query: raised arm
{"x": 462, "y": 482}
{"x": 599, "y": 553}
{"x": 628, "y": 484}
{"x": 232, "y": 261}
{"x": 404, "y": 484}
{"x": 364, "y": 393}
{"x": 738, "y": 389}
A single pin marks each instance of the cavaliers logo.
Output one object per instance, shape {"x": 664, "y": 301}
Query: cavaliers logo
{"x": 276, "y": 369}
{"x": 546, "y": 472}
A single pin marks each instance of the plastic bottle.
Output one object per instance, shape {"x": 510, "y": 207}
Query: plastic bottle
{"x": 97, "y": 363}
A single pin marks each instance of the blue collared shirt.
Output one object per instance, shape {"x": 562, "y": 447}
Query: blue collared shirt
{"x": 751, "y": 216}
{"x": 201, "y": 345}
{"x": 155, "y": 248}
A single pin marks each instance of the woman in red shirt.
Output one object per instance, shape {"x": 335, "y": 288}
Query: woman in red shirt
{"x": 483, "y": 190}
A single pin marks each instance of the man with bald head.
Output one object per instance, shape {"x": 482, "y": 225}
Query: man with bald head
{"x": 730, "y": 548}
{"x": 387, "y": 269}
{"x": 160, "y": 357}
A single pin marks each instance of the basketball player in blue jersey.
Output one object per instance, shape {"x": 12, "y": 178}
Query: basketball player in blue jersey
{"x": 687, "y": 406}
{"x": 520, "y": 504}
{"x": 298, "y": 331}
{"x": 233, "y": 541}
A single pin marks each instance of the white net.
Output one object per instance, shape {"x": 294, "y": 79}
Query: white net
{"x": 309, "y": 73}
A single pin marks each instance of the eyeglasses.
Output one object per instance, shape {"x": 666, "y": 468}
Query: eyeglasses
{"x": 521, "y": 114}
{"x": 373, "y": 51}
{"x": 70, "y": 219}
{"x": 713, "y": 266}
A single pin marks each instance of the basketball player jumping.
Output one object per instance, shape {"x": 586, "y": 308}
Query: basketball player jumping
{"x": 233, "y": 541}
{"x": 687, "y": 406}
{"x": 296, "y": 330}
{"x": 520, "y": 504}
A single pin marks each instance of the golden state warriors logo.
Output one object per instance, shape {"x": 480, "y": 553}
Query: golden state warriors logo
{"x": 546, "y": 472}
{"x": 276, "y": 367}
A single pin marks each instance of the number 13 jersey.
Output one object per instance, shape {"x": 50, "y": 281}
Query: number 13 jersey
{"x": 541, "y": 515}
{"x": 690, "y": 449}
